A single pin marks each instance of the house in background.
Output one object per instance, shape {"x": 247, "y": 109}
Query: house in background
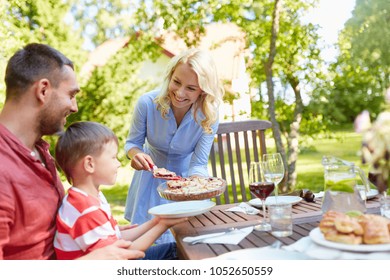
{"x": 226, "y": 43}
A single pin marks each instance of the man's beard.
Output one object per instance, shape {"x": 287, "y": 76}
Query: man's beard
{"x": 50, "y": 122}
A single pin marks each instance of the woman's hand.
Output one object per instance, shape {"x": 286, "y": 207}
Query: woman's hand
{"x": 142, "y": 161}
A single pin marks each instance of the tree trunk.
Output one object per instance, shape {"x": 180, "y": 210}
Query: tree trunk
{"x": 270, "y": 86}
{"x": 293, "y": 137}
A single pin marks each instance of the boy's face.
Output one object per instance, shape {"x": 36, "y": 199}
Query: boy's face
{"x": 106, "y": 165}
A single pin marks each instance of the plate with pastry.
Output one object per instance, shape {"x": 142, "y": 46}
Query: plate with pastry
{"x": 194, "y": 188}
{"x": 360, "y": 233}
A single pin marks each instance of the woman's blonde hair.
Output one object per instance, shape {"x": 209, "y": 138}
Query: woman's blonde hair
{"x": 208, "y": 102}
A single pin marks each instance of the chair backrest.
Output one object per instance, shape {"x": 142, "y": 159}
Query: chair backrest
{"x": 237, "y": 144}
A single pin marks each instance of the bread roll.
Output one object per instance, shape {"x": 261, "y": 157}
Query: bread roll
{"x": 346, "y": 238}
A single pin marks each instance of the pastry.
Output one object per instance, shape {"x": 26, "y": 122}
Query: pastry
{"x": 376, "y": 230}
{"x": 327, "y": 222}
{"x": 347, "y": 224}
{"x": 193, "y": 188}
{"x": 346, "y": 238}
{"x": 364, "y": 229}
{"x": 163, "y": 173}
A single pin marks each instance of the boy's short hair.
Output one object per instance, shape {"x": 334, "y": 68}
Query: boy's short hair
{"x": 79, "y": 140}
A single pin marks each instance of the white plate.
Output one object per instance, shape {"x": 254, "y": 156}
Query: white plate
{"x": 262, "y": 254}
{"x": 256, "y": 202}
{"x": 319, "y": 194}
{"x": 182, "y": 209}
{"x": 317, "y": 236}
{"x": 372, "y": 193}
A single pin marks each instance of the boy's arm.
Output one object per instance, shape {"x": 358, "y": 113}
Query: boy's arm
{"x": 133, "y": 233}
{"x": 160, "y": 226}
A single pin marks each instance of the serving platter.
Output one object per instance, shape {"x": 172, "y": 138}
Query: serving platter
{"x": 317, "y": 237}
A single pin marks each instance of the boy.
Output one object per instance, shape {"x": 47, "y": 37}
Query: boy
{"x": 87, "y": 154}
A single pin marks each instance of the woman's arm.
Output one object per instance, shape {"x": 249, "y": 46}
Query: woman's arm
{"x": 200, "y": 157}
{"x": 137, "y": 134}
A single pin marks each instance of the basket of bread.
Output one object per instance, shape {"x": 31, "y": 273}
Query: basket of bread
{"x": 193, "y": 188}
{"x": 355, "y": 229}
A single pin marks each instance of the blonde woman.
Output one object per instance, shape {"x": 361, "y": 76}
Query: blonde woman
{"x": 174, "y": 128}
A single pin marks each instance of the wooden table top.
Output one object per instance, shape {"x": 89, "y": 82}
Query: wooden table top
{"x": 306, "y": 216}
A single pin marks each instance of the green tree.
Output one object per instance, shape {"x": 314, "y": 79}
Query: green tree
{"x": 42, "y": 21}
{"x": 361, "y": 73}
{"x": 109, "y": 94}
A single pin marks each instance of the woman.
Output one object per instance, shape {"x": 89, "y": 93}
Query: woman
{"x": 174, "y": 128}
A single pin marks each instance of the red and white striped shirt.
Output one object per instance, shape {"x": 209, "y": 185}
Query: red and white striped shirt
{"x": 84, "y": 223}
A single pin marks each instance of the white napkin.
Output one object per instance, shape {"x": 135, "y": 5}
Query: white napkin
{"x": 313, "y": 250}
{"x": 233, "y": 237}
{"x": 244, "y": 208}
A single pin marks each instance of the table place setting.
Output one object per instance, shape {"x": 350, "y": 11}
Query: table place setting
{"x": 231, "y": 236}
{"x": 244, "y": 208}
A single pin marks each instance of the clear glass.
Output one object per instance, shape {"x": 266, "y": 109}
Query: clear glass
{"x": 260, "y": 188}
{"x": 280, "y": 216}
{"x": 274, "y": 169}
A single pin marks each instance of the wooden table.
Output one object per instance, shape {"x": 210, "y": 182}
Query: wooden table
{"x": 306, "y": 216}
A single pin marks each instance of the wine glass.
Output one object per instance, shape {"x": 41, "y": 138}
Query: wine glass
{"x": 260, "y": 188}
{"x": 273, "y": 169}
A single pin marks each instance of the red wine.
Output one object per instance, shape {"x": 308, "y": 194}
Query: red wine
{"x": 261, "y": 189}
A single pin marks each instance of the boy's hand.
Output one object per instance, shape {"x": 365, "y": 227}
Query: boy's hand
{"x": 169, "y": 222}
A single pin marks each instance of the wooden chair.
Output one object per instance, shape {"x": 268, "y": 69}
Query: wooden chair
{"x": 237, "y": 144}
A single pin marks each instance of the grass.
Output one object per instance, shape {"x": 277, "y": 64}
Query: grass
{"x": 344, "y": 144}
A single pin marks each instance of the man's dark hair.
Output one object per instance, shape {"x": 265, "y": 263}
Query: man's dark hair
{"x": 32, "y": 63}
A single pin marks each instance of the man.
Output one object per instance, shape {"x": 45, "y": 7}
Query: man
{"x": 41, "y": 90}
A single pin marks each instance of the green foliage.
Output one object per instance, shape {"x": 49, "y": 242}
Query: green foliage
{"x": 42, "y": 21}
{"x": 99, "y": 20}
{"x": 361, "y": 73}
{"x": 110, "y": 93}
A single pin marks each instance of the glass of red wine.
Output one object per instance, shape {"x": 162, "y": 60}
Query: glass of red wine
{"x": 260, "y": 188}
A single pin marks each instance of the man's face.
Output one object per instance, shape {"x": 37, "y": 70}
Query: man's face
{"x": 61, "y": 104}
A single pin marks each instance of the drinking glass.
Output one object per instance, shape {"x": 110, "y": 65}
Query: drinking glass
{"x": 260, "y": 188}
{"x": 280, "y": 217}
{"x": 273, "y": 169}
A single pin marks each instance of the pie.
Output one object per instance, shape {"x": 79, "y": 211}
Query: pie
{"x": 194, "y": 188}
{"x": 163, "y": 173}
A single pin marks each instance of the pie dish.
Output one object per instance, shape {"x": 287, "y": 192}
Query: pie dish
{"x": 197, "y": 188}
